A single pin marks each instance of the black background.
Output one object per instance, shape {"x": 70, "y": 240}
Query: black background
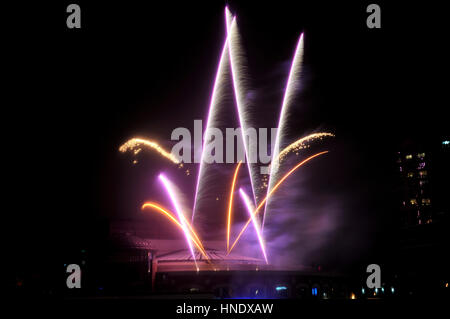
{"x": 72, "y": 96}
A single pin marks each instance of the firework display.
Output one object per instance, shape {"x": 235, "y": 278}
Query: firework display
{"x": 232, "y": 65}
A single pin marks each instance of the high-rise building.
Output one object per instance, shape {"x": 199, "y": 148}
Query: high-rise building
{"x": 415, "y": 170}
{"x": 423, "y": 182}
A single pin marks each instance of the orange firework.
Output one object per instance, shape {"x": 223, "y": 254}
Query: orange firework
{"x": 230, "y": 204}
{"x": 271, "y": 192}
{"x": 171, "y": 217}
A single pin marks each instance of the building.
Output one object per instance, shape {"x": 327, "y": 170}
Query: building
{"x": 130, "y": 264}
{"x": 423, "y": 175}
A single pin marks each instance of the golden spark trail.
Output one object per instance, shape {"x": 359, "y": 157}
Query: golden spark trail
{"x": 230, "y": 203}
{"x": 272, "y": 191}
{"x": 171, "y": 217}
{"x": 137, "y": 142}
{"x": 293, "y": 147}
{"x": 299, "y": 144}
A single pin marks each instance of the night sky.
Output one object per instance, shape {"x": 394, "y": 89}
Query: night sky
{"x": 73, "y": 96}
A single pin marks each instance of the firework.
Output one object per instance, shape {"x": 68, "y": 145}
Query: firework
{"x": 135, "y": 145}
{"x": 272, "y": 191}
{"x": 301, "y": 143}
{"x": 230, "y": 204}
{"x": 289, "y": 93}
{"x": 181, "y": 217}
{"x": 232, "y": 62}
{"x": 171, "y": 217}
{"x": 212, "y": 113}
{"x": 250, "y": 209}
{"x": 237, "y": 75}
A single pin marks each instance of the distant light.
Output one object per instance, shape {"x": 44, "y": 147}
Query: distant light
{"x": 363, "y": 291}
{"x": 279, "y": 288}
{"x": 382, "y": 289}
{"x": 376, "y": 290}
{"x": 392, "y": 289}
{"x": 445, "y": 142}
{"x": 314, "y": 291}
{"x": 352, "y": 296}
{"x": 446, "y": 285}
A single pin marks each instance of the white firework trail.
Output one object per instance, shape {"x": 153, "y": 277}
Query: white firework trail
{"x": 212, "y": 117}
{"x": 289, "y": 95}
{"x": 181, "y": 218}
{"x": 238, "y": 77}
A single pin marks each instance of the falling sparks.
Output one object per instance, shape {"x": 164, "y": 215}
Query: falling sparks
{"x": 135, "y": 145}
{"x": 301, "y": 144}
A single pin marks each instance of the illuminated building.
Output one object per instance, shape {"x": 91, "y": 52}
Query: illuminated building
{"x": 415, "y": 170}
{"x": 423, "y": 172}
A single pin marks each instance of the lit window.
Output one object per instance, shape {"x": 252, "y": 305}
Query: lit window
{"x": 409, "y": 156}
{"x": 426, "y": 201}
{"x": 314, "y": 291}
{"x": 423, "y": 173}
{"x": 421, "y": 165}
{"x": 421, "y": 155}
{"x": 410, "y": 174}
{"x": 413, "y": 201}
